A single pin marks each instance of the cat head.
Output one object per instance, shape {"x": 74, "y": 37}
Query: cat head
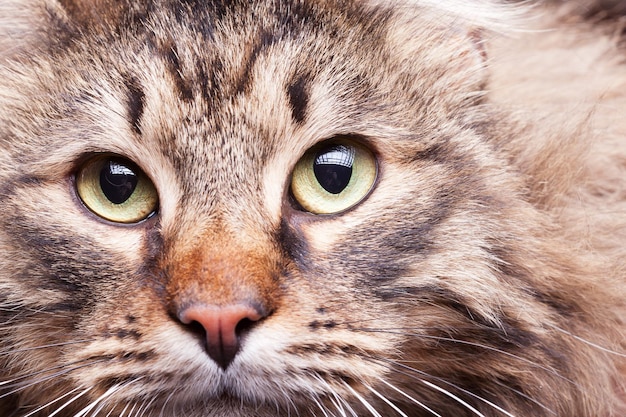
{"x": 219, "y": 207}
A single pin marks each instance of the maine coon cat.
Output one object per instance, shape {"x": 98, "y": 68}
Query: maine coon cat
{"x": 312, "y": 208}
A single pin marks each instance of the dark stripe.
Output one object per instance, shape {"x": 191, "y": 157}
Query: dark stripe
{"x": 293, "y": 244}
{"x": 136, "y": 101}
{"x": 125, "y": 334}
{"x": 298, "y": 98}
{"x": 437, "y": 152}
{"x": 505, "y": 262}
{"x": 243, "y": 80}
{"x": 183, "y": 86}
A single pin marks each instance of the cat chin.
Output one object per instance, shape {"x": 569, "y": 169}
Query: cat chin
{"x": 231, "y": 407}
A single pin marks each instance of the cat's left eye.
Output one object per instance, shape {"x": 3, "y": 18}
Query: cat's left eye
{"x": 116, "y": 189}
{"x": 333, "y": 176}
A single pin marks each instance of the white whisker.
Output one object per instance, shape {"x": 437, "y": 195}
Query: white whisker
{"x": 478, "y": 397}
{"x": 419, "y": 403}
{"x": 321, "y": 407}
{"x": 587, "y": 342}
{"x": 135, "y": 412}
{"x": 146, "y": 405}
{"x": 76, "y": 397}
{"x": 387, "y": 401}
{"x": 338, "y": 401}
{"x": 482, "y": 346}
{"x": 521, "y": 394}
{"x": 469, "y": 392}
{"x": 167, "y": 400}
{"x": 363, "y": 401}
{"x": 451, "y": 395}
{"x": 348, "y": 406}
{"x": 51, "y": 402}
{"x": 47, "y": 378}
{"x": 98, "y": 409}
{"x": 94, "y": 403}
{"x": 29, "y": 349}
{"x": 124, "y": 410}
{"x": 109, "y": 413}
{"x": 43, "y": 371}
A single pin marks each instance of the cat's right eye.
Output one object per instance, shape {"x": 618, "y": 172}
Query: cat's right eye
{"x": 115, "y": 189}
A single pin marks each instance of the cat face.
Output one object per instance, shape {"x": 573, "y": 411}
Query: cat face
{"x": 265, "y": 208}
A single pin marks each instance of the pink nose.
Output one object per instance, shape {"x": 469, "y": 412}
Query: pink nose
{"x": 222, "y": 327}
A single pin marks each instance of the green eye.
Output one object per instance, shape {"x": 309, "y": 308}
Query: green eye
{"x": 115, "y": 189}
{"x": 333, "y": 177}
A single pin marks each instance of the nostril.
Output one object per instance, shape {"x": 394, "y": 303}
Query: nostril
{"x": 221, "y": 328}
{"x": 196, "y": 328}
{"x": 243, "y": 326}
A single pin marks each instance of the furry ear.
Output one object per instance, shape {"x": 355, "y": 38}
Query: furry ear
{"x": 21, "y": 23}
{"x": 425, "y": 35}
{"x": 27, "y": 26}
{"x": 595, "y": 10}
{"x": 90, "y": 13}
{"x": 82, "y": 10}
{"x": 447, "y": 37}
{"x": 488, "y": 14}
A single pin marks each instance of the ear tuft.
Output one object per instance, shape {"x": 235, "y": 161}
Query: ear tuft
{"x": 495, "y": 16}
{"x": 424, "y": 36}
{"x": 21, "y": 22}
{"x": 88, "y": 13}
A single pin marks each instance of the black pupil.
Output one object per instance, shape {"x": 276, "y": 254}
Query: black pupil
{"x": 333, "y": 167}
{"x": 118, "y": 181}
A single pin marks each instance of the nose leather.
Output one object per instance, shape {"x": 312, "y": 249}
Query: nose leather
{"x": 222, "y": 327}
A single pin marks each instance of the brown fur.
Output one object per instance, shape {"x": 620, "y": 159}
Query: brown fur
{"x": 482, "y": 275}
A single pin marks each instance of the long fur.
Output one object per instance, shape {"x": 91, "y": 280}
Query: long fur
{"x": 483, "y": 274}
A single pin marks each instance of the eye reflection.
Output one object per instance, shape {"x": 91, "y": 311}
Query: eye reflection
{"x": 118, "y": 181}
{"x": 333, "y": 168}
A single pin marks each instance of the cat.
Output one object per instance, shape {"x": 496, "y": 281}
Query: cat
{"x": 216, "y": 208}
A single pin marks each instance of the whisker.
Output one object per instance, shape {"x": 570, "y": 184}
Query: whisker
{"x": 97, "y": 410}
{"x": 290, "y": 403}
{"x": 451, "y": 395}
{"x": 529, "y": 398}
{"x": 363, "y": 401}
{"x": 76, "y": 397}
{"x": 30, "y": 349}
{"x": 479, "y": 345}
{"x": 146, "y": 405}
{"x": 464, "y": 390}
{"x": 131, "y": 412}
{"x": 321, "y": 407}
{"x": 338, "y": 401}
{"x": 478, "y": 397}
{"x": 21, "y": 377}
{"x": 587, "y": 342}
{"x": 108, "y": 414}
{"x": 48, "y": 404}
{"x": 98, "y": 400}
{"x": 167, "y": 400}
{"x": 419, "y": 403}
{"x": 124, "y": 410}
{"x": 348, "y": 406}
{"x": 49, "y": 377}
{"x": 386, "y": 400}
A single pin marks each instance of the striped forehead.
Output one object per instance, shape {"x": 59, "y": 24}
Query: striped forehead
{"x": 244, "y": 104}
